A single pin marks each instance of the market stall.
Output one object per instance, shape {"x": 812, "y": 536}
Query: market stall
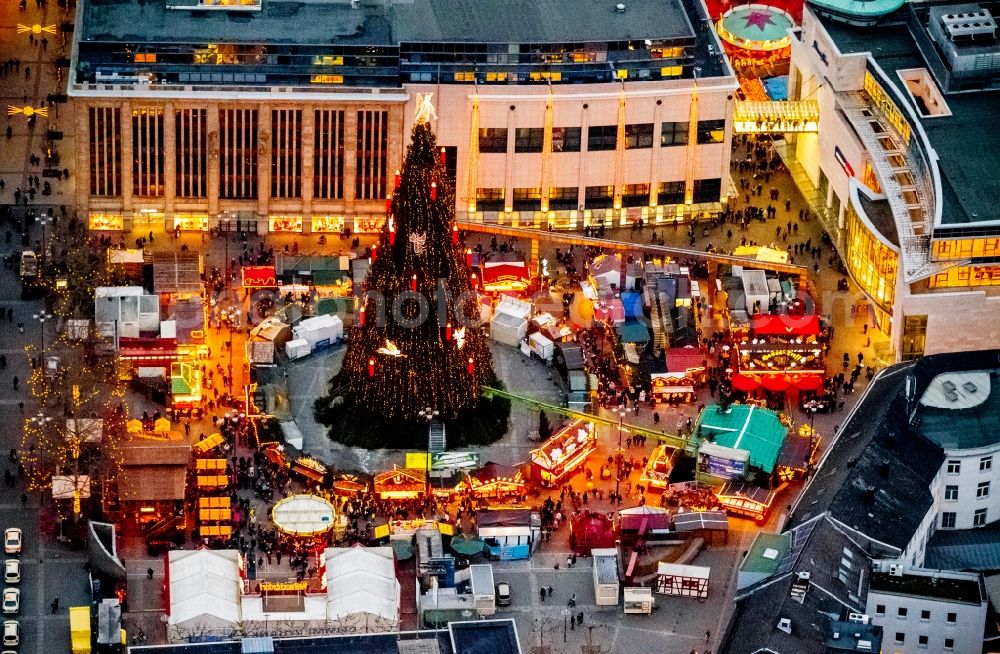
{"x": 563, "y": 453}
{"x": 400, "y": 484}
{"x": 672, "y": 388}
{"x": 350, "y": 486}
{"x": 504, "y": 272}
{"x": 738, "y": 438}
{"x": 310, "y": 470}
{"x": 259, "y": 277}
{"x": 656, "y": 474}
{"x": 494, "y": 481}
{"x": 509, "y": 323}
{"x": 509, "y": 533}
{"x": 589, "y": 530}
{"x": 782, "y": 343}
{"x": 682, "y": 580}
{"x": 606, "y": 582}
{"x": 208, "y": 443}
{"x": 638, "y": 601}
{"x": 746, "y": 500}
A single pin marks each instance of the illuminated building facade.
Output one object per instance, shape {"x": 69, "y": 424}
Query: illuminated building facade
{"x": 900, "y": 169}
{"x": 292, "y": 117}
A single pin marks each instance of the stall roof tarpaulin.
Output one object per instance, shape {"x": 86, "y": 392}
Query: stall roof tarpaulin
{"x": 750, "y": 428}
{"x": 503, "y": 518}
{"x": 653, "y": 517}
{"x": 784, "y": 325}
{"x": 361, "y": 580}
{"x": 682, "y": 359}
{"x": 697, "y": 520}
{"x": 177, "y": 272}
{"x": 203, "y": 583}
{"x": 154, "y": 470}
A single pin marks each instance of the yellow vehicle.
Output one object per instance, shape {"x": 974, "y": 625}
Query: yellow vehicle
{"x": 79, "y": 629}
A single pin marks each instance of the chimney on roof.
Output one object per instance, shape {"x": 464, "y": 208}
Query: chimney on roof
{"x": 870, "y": 495}
{"x": 785, "y": 625}
{"x": 884, "y": 471}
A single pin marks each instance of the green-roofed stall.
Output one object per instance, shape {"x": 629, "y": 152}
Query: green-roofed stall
{"x": 754, "y": 430}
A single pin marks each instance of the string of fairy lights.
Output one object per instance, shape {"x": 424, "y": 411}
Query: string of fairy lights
{"x": 419, "y": 345}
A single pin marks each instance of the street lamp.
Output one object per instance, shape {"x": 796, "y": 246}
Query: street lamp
{"x": 621, "y": 411}
{"x": 428, "y": 414}
{"x": 226, "y": 271}
{"x": 812, "y": 406}
{"x": 44, "y": 220}
{"x": 41, "y": 317}
{"x": 565, "y": 614}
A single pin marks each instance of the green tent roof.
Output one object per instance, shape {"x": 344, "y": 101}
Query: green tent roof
{"x": 751, "y": 428}
{"x": 633, "y": 331}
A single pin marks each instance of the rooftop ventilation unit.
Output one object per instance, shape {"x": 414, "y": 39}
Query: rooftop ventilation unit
{"x": 970, "y": 24}
{"x": 785, "y": 624}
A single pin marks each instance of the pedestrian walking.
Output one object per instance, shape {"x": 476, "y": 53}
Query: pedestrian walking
{"x": 149, "y": 573}
{"x": 541, "y": 593}
{"x": 551, "y": 591}
{"x": 55, "y": 605}
{"x": 15, "y": 380}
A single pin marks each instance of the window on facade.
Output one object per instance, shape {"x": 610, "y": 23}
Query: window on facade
{"x": 914, "y": 337}
{"x": 286, "y": 153}
{"x": 671, "y": 193}
{"x": 674, "y": 133}
{"x": 951, "y": 493}
{"x": 954, "y": 467}
{"x": 707, "y": 190}
{"x": 925, "y": 615}
{"x": 105, "y": 151}
{"x": 952, "y": 618}
{"x": 563, "y": 197}
{"x": 983, "y": 489}
{"x": 639, "y": 136}
{"x": 900, "y": 638}
{"x": 602, "y": 137}
{"x": 901, "y": 612}
{"x": 493, "y": 139}
{"x": 527, "y": 199}
{"x": 711, "y": 131}
{"x": 635, "y": 195}
{"x": 565, "y": 139}
{"x": 147, "y": 151}
{"x": 922, "y": 640}
{"x": 238, "y": 153}
{"x": 528, "y": 139}
{"x": 880, "y": 609}
{"x": 985, "y": 463}
{"x": 372, "y": 155}
{"x": 191, "y": 152}
{"x": 948, "y": 520}
{"x": 979, "y": 518}
{"x": 949, "y": 643}
{"x": 599, "y": 197}
{"x": 489, "y": 199}
{"x": 328, "y": 154}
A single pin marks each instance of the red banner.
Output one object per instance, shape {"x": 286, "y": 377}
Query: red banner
{"x": 259, "y": 277}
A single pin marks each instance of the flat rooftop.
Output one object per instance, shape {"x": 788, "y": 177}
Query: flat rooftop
{"x": 964, "y": 140}
{"x": 955, "y": 417}
{"x": 390, "y": 23}
{"x": 943, "y": 587}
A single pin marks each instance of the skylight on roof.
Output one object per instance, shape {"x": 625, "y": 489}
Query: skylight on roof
{"x": 770, "y": 554}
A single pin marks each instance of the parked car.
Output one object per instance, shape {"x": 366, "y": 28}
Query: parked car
{"x": 11, "y": 633}
{"x": 11, "y": 600}
{"x": 11, "y": 571}
{"x": 12, "y": 541}
{"x": 503, "y": 594}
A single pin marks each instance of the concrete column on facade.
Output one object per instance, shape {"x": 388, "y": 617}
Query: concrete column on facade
{"x": 350, "y": 156}
{"x": 727, "y": 152}
{"x": 169, "y": 159}
{"x": 307, "y": 149}
{"x": 82, "y": 170}
{"x": 581, "y": 194}
{"x": 508, "y": 161}
{"x": 264, "y": 145}
{"x": 654, "y": 160}
{"x": 395, "y": 148}
{"x": 212, "y": 116}
{"x": 128, "y": 154}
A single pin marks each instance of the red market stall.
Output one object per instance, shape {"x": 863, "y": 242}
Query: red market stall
{"x": 784, "y": 325}
{"x": 589, "y": 531}
{"x": 504, "y": 272}
{"x": 743, "y": 383}
{"x": 563, "y": 453}
{"x": 350, "y": 486}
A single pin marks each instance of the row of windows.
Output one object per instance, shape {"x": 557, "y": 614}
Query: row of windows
{"x": 982, "y": 491}
{"x": 638, "y": 136}
{"x": 902, "y": 613}
{"x": 948, "y": 518}
{"x": 924, "y": 641}
{"x": 597, "y": 197}
{"x": 954, "y": 466}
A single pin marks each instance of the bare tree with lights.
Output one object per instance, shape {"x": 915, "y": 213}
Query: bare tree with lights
{"x": 416, "y": 340}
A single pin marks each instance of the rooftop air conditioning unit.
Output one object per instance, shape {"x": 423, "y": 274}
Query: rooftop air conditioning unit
{"x": 859, "y": 618}
{"x": 896, "y": 569}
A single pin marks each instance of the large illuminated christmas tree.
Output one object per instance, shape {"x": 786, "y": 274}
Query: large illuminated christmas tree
{"x": 416, "y": 341}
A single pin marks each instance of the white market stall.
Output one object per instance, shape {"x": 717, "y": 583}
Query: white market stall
{"x": 638, "y": 600}
{"x": 203, "y": 594}
{"x": 606, "y": 584}
{"x": 483, "y": 591}
{"x": 362, "y": 590}
{"x": 320, "y": 331}
{"x": 510, "y": 321}
{"x": 541, "y": 346}
{"x": 682, "y": 580}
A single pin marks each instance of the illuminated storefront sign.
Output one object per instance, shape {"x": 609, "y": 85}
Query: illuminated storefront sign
{"x": 283, "y": 587}
{"x": 285, "y": 224}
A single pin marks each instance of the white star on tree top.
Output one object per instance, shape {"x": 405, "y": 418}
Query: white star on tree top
{"x": 425, "y": 109}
